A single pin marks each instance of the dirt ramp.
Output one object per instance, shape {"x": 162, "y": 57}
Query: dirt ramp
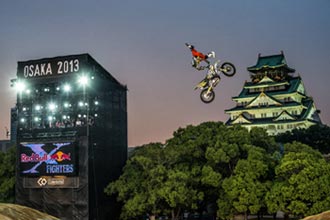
{"x": 18, "y": 212}
{"x": 321, "y": 216}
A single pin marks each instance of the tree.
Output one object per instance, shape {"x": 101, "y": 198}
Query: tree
{"x": 187, "y": 150}
{"x": 138, "y": 186}
{"x": 260, "y": 138}
{"x": 7, "y": 175}
{"x": 215, "y": 150}
{"x": 247, "y": 187}
{"x": 316, "y": 136}
{"x": 155, "y": 182}
{"x": 302, "y": 183}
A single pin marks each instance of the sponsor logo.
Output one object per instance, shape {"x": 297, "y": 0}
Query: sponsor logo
{"x": 60, "y": 156}
{"x": 67, "y": 168}
{"x": 50, "y": 181}
{"x": 33, "y": 158}
{"x": 42, "y": 181}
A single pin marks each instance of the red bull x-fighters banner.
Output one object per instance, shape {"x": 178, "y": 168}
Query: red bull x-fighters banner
{"x": 48, "y": 159}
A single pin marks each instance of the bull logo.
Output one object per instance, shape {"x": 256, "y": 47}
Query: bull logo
{"x": 60, "y": 156}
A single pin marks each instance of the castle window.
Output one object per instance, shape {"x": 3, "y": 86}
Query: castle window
{"x": 280, "y": 127}
{"x": 287, "y": 99}
{"x": 289, "y": 126}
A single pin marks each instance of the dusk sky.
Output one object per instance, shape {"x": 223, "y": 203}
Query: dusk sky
{"x": 141, "y": 43}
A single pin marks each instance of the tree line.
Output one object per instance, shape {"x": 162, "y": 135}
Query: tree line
{"x": 225, "y": 171}
{"x": 220, "y": 170}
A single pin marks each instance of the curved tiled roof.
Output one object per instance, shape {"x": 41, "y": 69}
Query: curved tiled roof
{"x": 294, "y": 84}
{"x": 270, "y": 62}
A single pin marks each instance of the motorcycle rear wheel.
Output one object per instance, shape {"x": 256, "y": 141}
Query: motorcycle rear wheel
{"x": 207, "y": 96}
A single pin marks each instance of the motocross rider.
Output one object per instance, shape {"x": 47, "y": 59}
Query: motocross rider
{"x": 198, "y": 57}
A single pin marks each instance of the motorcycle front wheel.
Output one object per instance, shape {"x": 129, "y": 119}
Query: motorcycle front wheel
{"x": 228, "y": 69}
{"x": 207, "y": 96}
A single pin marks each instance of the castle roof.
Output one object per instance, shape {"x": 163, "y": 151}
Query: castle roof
{"x": 242, "y": 108}
{"x": 270, "y": 62}
{"x": 294, "y": 83}
{"x": 284, "y": 117}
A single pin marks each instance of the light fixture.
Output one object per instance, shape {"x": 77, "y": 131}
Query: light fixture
{"x": 19, "y": 86}
{"x": 52, "y": 107}
{"x": 67, "y": 88}
{"x": 66, "y": 105}
{"x": 83, "y": 80}
{"x": 38, "y": 107}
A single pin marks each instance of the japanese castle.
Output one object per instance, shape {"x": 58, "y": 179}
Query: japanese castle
{"x": 274, "y": 99}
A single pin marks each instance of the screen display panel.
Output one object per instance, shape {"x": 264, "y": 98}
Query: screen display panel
{"x": 48, "y": 159}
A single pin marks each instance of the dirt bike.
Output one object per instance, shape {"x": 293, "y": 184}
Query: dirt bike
{"x": 212, "y": 79}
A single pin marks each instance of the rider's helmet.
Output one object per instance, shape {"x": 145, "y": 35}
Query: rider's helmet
{"x": 191, "y": 47}
{"x": 211, "y": 54}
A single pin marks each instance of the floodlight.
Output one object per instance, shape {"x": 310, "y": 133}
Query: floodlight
{"x": 22, "y": 120}
{"x": 51, "y": 106}
{"x": 20, "y": 86}
{"x": 38, "y": 107}
{"x": 80, "y": 104}
{"x": 83, "y": 80}
{"x": 66, "y": 105}
{"x": 67, "y": 88}
{"x": 96, "y": 102}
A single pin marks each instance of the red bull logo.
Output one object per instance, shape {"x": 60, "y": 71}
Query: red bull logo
{"x": 59, "y": 156}
{"x": 33, "y": 158}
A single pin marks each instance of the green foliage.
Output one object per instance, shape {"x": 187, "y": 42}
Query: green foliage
{"x": 302, "y": 183}
{"x": 138, "y": 186}
{"x": 247, "y": 187}
{"x": 238, "y": 171}
{"x": 316, "y": 136}
{"x": 7, "y": 175}
{"x": 260, "y": 138}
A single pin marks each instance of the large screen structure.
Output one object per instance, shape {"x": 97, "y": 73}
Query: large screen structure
{"x": 48, "y": 159}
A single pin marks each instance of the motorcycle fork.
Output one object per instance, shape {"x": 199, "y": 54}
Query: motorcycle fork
{"x": 209, "y": 89}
